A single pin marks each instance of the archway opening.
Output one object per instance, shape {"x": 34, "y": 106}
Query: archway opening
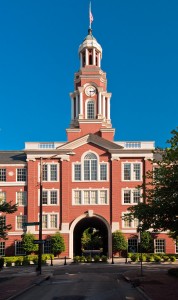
{"x": 89, "y": 222}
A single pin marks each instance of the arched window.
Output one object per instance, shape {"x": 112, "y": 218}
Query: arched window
{"x": 90, "y": 167}
{"x": 90, "y": 109}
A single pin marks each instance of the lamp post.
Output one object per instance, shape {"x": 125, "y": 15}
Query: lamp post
{"x": 140, "y": 244}
{"x": 40, "y": 219}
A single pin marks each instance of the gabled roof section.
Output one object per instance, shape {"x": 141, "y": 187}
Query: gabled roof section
{"x": 12, "y": 157}
{"x": 91, "y": 138}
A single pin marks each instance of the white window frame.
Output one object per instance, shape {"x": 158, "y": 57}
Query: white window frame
{"x": 48, "y": 164}
{"x": 132, "y": 174}
{"x": 86, "y": 109}
{"x": 82, "y": 192}
{"x": 157, "y": 245}
{"x": 49, "y": 220}
{"x": 99, "y": 163}
{"x": 133, "y": 223}
{"x": 2, "y": 197}
{"x": 24, "y": 193}
{"x": 3, "y": 175}
{"x": 132, "y": 190}
{"x": 2, "y": 248}
{"x": 48, "y": 197}
{"x": 24, "y": 219}
{"x": 22, "y": 252}
{"x": 21, "y": 168}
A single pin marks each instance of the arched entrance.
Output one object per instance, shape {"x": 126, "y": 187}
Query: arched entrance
{"x": 82, "y": 223}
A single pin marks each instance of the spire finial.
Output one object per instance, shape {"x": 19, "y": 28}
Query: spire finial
{"x": 90, "y": 16}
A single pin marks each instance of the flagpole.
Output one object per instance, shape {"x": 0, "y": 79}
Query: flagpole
{"x": 90, "y": 15}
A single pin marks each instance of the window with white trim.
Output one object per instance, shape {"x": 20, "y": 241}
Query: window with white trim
{"x": 132, "y": 171}
{"x": 50, "y": 172}
{"x": 2, "y": 197}
{"x": 21, "y": 198}
{"x": 132, "y": 245}
{"x": 21, "y": 174}
{"x": 20, "y": 220}
{"x": 90, "y": 109}
{"x": 90, "y": 197}
{"x": 90, "y": 169}
{"x": 127, "y": 223}
{"x": 2, "y": 248}
{"x": 19, "y": 248}
{"x": 131, "y": 196}
{"x": 159, "y": 245}
{"x": 2, "y": 221}
{"x": 47, "y": 246}
{"x": 49, "y": 197}
{"x": 2, "y": 174}
{"x": 50, "y": 221}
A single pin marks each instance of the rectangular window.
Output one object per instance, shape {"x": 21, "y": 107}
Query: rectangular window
{"x": 53, "y": 221}
{"x": 21, "y": 174}
{"x": 93, "y": 197}
{"x": 77, "y": 172}
{"x": 136, "y": 196}
{"x": 20, "y": 221}
{"x": 86, "y": 197}
{"x": 132, "y": 245}
{"x": 127, "y": 196}
{"x": 53, "y": 172}
{"x": 77, "y": 197}
{"x": 53, "y": 197}
{"x": 47, "y": 246}
{"x": 127, "y": 171}
{"x": 2, "y": 248}
{"x": 2, "y": 174}
{"x": 22, "y": 198}
{"x": 49, "y": 197}
{"x": 44, "y": 221}
{"x": 19, "y": 248}
{"x": 93, "y": 169}
{"x": 2, "y": 197}
{"x": 2, "y": 221}
{"x": 103, "y": 197}
{"x": 87, "y": 170}
{"x": 160, "y": 246}
{"x": 45, "y": 173}
{"x": 136, "y": 172}
{"x": 45, "y": 197}
{"x": 103, "y": 171}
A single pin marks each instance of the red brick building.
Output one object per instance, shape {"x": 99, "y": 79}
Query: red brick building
{"x": 88, "y": 181}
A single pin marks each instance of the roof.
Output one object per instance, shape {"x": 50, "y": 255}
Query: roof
{"x": 12, "y": 157}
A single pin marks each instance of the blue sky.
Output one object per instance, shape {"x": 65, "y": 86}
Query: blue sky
{"x": 39, "y": 55}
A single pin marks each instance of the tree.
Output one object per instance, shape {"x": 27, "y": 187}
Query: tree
{"x": 28, "y": 243}
{"x": 147, "y": 243}
{"x": 57, "y": 244}
{"x": 5, "y": 208}
{"x": 159, "y": 209}
{"x": 119, "y": 242}
{"x": 91, "y": 239}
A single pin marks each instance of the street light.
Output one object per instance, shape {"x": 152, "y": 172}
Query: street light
{"x": 140, "y": 244}
{"x": 40, "y": 219}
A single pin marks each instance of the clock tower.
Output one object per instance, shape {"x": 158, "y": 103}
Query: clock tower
{"x": 90, "y": 101}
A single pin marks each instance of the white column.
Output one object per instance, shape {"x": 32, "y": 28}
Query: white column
{"x": 108, "y": 108}
{"x": 81, "y": 60}
{"x": 86, "y": 57}
{"x": 94, "y": 56}
{"x": 99, "y": 59}
{"x": 81, "y": 103}
{"x": 76, "y": 107}
{"x": 99, "y": 103}
{"x": 72, "y": 108}
{"x": 104, "y": 107}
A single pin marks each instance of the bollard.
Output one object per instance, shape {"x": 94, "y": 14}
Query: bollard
{"x": 65, "y": 261}
{"x": 51, "y": 260}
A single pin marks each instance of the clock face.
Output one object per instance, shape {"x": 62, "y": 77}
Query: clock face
{"x": 90, "y": 91}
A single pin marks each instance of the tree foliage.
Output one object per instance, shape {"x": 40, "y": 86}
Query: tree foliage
{"x": 5, "y": 208}
{"x": 119, "y": 242}
{"x": 57, "y": 244}
{"x": 28, "y": 243}
{"x": 147, "y": 242}
{"x": 91, "y": 239}
{"x": 159, "y": 209}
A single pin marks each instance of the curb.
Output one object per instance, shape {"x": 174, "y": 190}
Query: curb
{"x": 138, "y": 288}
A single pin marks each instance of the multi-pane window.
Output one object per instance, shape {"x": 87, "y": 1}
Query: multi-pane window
{"x": 77, "y": 172}
{"x": 2, "y": 174}
{"x": 90, "y": 169}
{"x": 132, "y": 245}
{"x": 2, "y": 248}
{"x": 129, "y": 223}
{"x": 49, "y": 197}
{"x": 90, "y": 109}
{"x": 21, "y": 174}
{"x": 90, "y": 197}
{"x": 49, "y": 172}
{"x": 2, "y": 197}
{"x": 22, "y": 198}
{"x": 49, "y": 221}
{"x": 159, "y": 245}
{"x": 131, "y": 196}
{"x": 132, "y": 171}
{"x": 19, "y": 248}
{"x": 2, "y": 221}
{"x": 47, "y": 246}
{"x": 20, "y": 220}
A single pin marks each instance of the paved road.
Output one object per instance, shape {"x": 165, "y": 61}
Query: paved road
{"x": 79, "y": 282}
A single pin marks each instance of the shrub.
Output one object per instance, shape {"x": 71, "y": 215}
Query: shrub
{"x": 118, "y": 241}
{"x": 150, "y": 257}
{"x": 143, "y": 257}
{"x": 82, "y": 258}
{"x": 96, "y": 258}
{"x": 76, "y": 259}
{"x": 165, "y": 258}
{"x": 57, "y": 244}
{"x": 104, "y": 258}
{"x": 157, "y": 258}
{"x": 88, "y": 258}
{"x": 172, "y": 258}
{"x": 134, "y": 257}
